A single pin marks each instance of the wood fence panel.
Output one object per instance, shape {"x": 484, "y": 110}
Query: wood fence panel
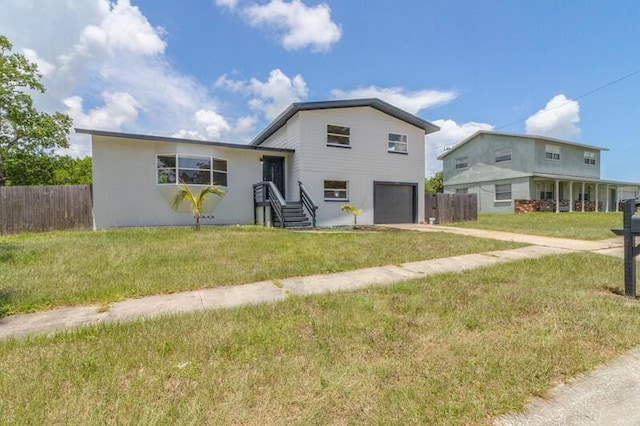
{"x": 448, "y": 208}
{"x": 45, "y": 208}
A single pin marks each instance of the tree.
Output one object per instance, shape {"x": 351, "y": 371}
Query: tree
{"x": 184, "y": 193}
{"x": 353, "y": 210}
{"x": 24, "y": 131}
{"x": 434, "y": 184}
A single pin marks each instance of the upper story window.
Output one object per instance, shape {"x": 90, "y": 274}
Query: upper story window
{"x": 338, "y": 136}
{"x": 502, "y": 155}
{"x": 397, "y": 143}
{"x": 462, "y": 163}
{"x": 194, "y": 170}
{"x": 590, "y": 158}
{"x": 552, "y": 152}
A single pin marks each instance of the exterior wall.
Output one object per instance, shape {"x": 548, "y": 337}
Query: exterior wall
{"x": 520, "y": 190}
{"x": 126, "y": 192}
{"x": 481, "y": 165}
{"x": 571, "y": 161}
{"x": 365, "y": 162}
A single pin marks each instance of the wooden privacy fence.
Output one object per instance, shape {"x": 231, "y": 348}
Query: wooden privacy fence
{"x": 447, "y": 208}
{"x": 45, "y": 208}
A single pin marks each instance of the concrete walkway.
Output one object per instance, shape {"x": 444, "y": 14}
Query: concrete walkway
{"x": 610, "y": 395}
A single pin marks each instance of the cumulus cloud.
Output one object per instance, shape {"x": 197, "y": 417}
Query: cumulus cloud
{"x": 104, "y": 63}
{"x": 450, "y": 134}
{"x": 412, "y": 102}
{"x": 559, "y": 119}
{"x": 269, "y": 97}
{"x": 297, "y": 25}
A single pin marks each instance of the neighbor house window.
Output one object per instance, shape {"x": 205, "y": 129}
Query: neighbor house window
{"x": 462, "y": 190}
{"x": 503, "y": 192}
{"x": 502, "y": 155}
{"x": 397, "y": 143}
{"x": 552, "y": 152}
{"x": 194, "y": 170}
{"x": 338, "y": 135}
{"x": 462, "y": 163}
{"x": 590, "y": 158}
{"x": 336, "y": 190}
{"x": 545, "y": 190}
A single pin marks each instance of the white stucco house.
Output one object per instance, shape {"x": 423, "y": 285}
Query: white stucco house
{"x": 298, "y": 171}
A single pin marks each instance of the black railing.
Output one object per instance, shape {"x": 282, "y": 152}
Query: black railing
{"x": 268, "y": 193}
{"x": 308, "y": 203}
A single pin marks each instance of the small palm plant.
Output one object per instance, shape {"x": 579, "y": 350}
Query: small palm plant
{"x": 355, "y": 211}
{"x": 185, "y": 193}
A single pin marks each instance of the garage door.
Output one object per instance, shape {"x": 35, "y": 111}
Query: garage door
{"x": 394, "y": 202}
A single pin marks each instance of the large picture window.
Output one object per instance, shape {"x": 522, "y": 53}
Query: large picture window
{"x": 336, "y": 190}
{"x": 338, "y": 136}
{"x": 503, "y": 192}
{"x": 397, "y": 143}
{"x": 192, "y": 170}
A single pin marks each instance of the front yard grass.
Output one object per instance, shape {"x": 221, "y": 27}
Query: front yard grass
{"x": 41, "y": 271}
{"x": 577, "y": 225}
{"x": 447, "y": 349}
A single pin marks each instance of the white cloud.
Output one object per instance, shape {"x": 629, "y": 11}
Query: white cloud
{"x": 270, "y": 97}
{"x": 412, "y": 102}
{"x": 449, "y": 135}
{"x": 104, "y": 63}
{"x": 298, "y": 26}
{"x": 559, "y": 119}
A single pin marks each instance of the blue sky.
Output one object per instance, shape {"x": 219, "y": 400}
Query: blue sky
{"x": 222, "y": 69}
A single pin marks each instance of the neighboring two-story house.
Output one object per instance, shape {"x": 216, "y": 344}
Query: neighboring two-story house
{"x": 364, "y": 152}
{"x": 512, "y": 172}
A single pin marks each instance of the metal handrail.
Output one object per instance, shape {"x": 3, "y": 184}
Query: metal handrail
{"x": 268, "y": 191}
{"x": 308, "y": 203}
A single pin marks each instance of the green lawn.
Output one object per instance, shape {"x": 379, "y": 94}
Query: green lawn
{"x": 577, "y": 225}
{"x": 447, "y": 349}
{"x": 41, "y": 271}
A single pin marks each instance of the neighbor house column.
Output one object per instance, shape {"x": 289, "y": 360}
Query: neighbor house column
{"x": 608, "y": 200}
{"x": 571, "y": 196}
{"x": 583, "y": 197}
{"x": 617, "y": 198}
{"x": 596, "y": 207}
{"x": 557, "y": 196}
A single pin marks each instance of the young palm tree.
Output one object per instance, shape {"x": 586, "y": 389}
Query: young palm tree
{"x": 353, "y": 210}
{"x": 184, "y": 193}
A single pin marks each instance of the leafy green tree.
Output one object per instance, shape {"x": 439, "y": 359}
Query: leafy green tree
{"x": 434, "y": 184}
{"x": 197, "y": 201}
{"x": 24, "y": 131}
{"x": 72, "y": 171}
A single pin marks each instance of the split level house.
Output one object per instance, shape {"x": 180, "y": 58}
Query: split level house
{"x": 519, "y": 173}
{"x": 297, "y": 172}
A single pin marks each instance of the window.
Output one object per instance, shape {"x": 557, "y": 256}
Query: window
{"x": 397, "y": 143}
{"x": 590, "y": 158}
{"x": 552, "y": 152}
{"x": 545, "y": 190}
{"x": 338, "y": 136}
{"x": 461, "y": 163}
{"x": 462, "y": 190}
{"x": 336, "y": 190}
{"x": 173, "y": 169}
{"x": 502, "y": 155}
{"x": 503, "y": 192}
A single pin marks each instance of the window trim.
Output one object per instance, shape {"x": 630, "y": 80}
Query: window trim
{"x": 551, "y": 149}
{"x": 334, "y": 199}
{"x": 339, "y": 135}
{"x": 499, "y": 154}
{"x": 589, "y": 158}
{"x": 495, "y": 193}
{"x": 460, "y": 159}
{"x": 405, "y": 143}
{"x": 177, "y": 168}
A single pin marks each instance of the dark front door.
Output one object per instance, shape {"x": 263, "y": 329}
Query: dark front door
{"x": 273, "y": 171}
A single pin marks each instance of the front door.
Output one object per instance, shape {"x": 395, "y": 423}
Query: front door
{"x": 273, "y": 171}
